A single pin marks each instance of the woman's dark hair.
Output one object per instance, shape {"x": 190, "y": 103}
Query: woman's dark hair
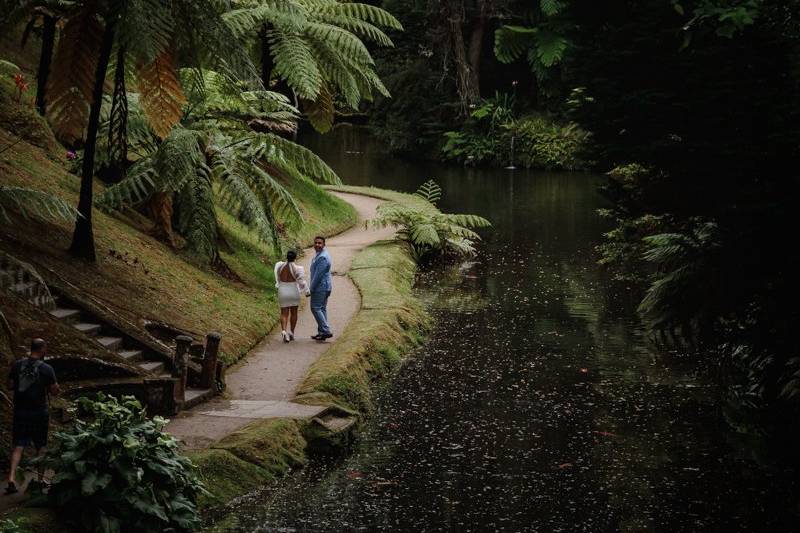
{"x": 291, "y": 255}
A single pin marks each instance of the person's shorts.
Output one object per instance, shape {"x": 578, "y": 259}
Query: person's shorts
{"x": 30, "y": 427}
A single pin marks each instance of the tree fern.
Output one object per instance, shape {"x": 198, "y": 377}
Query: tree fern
{"x": 316, "y": 47}
{"x": 430, "y": 234}
{"x": 234, "y": 169}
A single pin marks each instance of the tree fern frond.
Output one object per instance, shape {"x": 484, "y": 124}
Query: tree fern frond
{"x": 197, "y": 220}
{"x": 425, "y": 234}
{"x": 281, "y": 200}
{"x": 341, "y": 40}
{"x": 512, "y": 42}
{"x": 360, "y": 28}
{"x": 295, "y": 63}
{"x": 363, "y": 12}
{"x": 320, "y": 111}
{"x": 550, "y": 47}
{"x": 139, "y": 183}
{"x": 337, "y": 72}
{"x": 302, "y": 158}
{"x": 430, "y": 191}
{"x": 551, "y": 8}
{"x": 148, "y": 29}
{"x": 162, "y": 97}
{"x": 33, "y": 203}
{"x": 71, "y": 81}
{"x": 238, "y": 198}
{"x": 466, "y": 220}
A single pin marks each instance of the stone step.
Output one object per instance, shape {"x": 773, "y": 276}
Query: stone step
{"x": 152, "y": 366}
{"x": 112, "y": 343}
{"x": 193, "y": 397}
{"x": 67, "y": 315}
{"x": 130, "y": 355}
{"x": 89, "y": 329}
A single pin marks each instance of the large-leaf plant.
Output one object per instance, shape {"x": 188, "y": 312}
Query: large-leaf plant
{"x": 117, "y": 471}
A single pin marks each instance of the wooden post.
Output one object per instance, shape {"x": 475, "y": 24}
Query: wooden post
{"x": 179, "y": 367}
{"x": 210, "y": 360}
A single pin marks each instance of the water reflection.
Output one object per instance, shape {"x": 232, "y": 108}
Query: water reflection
{"x": 536, "y": 405}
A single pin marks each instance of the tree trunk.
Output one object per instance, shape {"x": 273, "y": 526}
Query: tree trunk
{"x": 83, "y": 238}
{"x": 476, "y": 42}
{"x": 45, "y": 58}
{"x": 161, "y": 209}
{"x": 453, "y": 12}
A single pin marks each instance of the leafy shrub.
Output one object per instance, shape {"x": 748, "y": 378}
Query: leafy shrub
{"x": 429, "y": 233}
{"x": 492, "y": 135}
{"x": 541, "y": 142}
{"x": 9, "y": 526}
{"x": 117, "y": 471}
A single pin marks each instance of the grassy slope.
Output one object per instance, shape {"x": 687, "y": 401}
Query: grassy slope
{"x": 389, "y": 322}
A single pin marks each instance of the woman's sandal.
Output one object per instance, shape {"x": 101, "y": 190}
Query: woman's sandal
{"x": 12, "y": 488}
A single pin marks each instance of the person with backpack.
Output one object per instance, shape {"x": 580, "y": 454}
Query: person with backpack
{"x": 33, "y": 382}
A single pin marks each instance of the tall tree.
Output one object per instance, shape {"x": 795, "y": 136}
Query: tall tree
{"x": 148, "y": 34}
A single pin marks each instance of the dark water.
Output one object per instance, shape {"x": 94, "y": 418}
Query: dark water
{"x": 536, "y": 404}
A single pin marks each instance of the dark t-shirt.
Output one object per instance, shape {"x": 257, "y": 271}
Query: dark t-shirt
{"x": 32, "y": 379}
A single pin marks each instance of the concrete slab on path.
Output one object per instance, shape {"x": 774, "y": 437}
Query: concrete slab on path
{"x": 261, "y": 409}
{"x": 271, "y": 373}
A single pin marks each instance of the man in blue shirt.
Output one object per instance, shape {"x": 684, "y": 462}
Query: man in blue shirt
{"x": 33, "y": 382}
{"x": 320, "y": 288}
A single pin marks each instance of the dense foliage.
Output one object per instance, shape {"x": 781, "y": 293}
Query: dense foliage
{"x": 117, "y": 471}
{"x": 694, "y": 105}
{"x": 494, "y": 135}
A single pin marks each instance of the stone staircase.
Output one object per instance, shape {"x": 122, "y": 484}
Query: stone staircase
{"x": 108, "y": 337}
{"x": 158, "y": 370}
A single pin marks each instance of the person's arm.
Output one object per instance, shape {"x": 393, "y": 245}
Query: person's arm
{"x": 48, "y": 377}
{"x": 300, "y": 275}
{"x": 276, "y": 271}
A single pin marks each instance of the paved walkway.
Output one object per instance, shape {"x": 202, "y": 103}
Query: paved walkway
{"x": 262, "y": 385}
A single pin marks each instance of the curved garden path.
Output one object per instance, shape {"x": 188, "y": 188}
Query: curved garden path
{"x": 261, "y": 385}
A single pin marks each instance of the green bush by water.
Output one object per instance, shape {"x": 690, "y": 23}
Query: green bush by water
{"x": 493, "y": 135}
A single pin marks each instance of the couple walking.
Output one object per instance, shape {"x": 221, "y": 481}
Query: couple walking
{"x": 290, "y": 281}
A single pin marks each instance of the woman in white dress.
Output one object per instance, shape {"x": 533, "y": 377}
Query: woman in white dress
{"x": 289, "y": 280}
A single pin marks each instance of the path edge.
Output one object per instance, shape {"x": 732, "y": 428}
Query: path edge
{"x": 389, "y": 323}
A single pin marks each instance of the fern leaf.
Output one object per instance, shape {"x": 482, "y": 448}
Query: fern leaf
{"x": 364, "y": 12}
{"x": 148, "y": 29}
{"x": 197, "y": 220}
{"x": 430, "y": 191}
{"x": 304, "y": 159}
{"x": 71, "y": 81}
{"x": 320, "y": 111}
{"x": 33, "y": 203}
{"x": 551, "y": 8}
{"x": 162, "y": 98}
{"x": 512, "y": 42}
{"x": 295, "y": 63}
{"x": 550, "y": 47}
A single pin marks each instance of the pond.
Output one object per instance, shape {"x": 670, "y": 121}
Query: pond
{"x": 537, "y": 403}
